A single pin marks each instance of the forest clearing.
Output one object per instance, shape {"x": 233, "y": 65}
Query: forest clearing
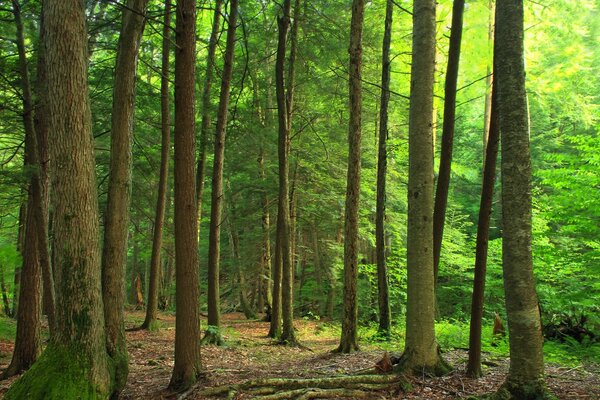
{"x": 250, "y": 355}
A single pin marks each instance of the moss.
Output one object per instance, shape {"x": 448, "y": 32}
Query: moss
{"x": 119, "y": 369}
{"x": 406, "y": 365}
{"x": 529, "y": 391}
{"x": 213, "y": 336}
{"x": 60, "y": 373}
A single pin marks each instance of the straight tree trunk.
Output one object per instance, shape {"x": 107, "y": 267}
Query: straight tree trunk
{"x": 187, "y": 368}
{"x": 421, "y": 352}
{"x": 525, "y": 378}
{"x": 212, "y": 334}
{"x": 28, "y": 340}
{"x": 5, "y": 301}
{"x": 75, "y": 363}
{"x": 481, "y": 249}
{"x": 349, "y": 339}
{"x": 206, "y": 105}
{"x": 20, "y": 249}
{"x": 265, "y": 296}
{"x": 443, "y": 180}
{"x": 487, "y": 115}
{"x": 382, "y": 273}
{"x": 150, "y": 322}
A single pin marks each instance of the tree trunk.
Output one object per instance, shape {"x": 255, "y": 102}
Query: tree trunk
{"x": 187, "y": 368}
{"x": 206, "y": 105}
{"x": 265, "y": 296}
{"x": 212, "y": 334}
{"x": 75, "y": 363}
{"x": 481, "y": 249}
{"x": 382, "y": 273}
{"x": 5, "y": 301}
{"x": 443, "y": 181}
{"x": 150, "y": 322}
{"x": 526, "y": 374}
{"x": 487, "y": 115}
{"x": 116, "y": 224}
{"x": 28, "y": 340}
{"x": 421, "y": 352}
{"x": 349, "y": 339}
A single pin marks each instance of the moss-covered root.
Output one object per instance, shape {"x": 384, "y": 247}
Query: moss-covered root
{"x": 407, "y": 365}
{"x": 212, "y": 336}
{"x": 522, "y": 391}
{"x": 62, "y": 374}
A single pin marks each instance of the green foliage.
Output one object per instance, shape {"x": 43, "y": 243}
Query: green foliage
{"x": 8, "y": 328}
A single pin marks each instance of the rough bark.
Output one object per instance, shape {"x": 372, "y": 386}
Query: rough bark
{"x": 349, "y": 339}
{"x": 150, "y": 321}
{"x": 28, "y": 340}
{"x": 75, "y": 364}
{"x": 421, "y": 349}
{"x": 206, "y": 105}
{"x": 265, "y": 296}
{"x": 481, "y": 249}
{"x": 525, "y": 378}
{"x": 116, "y": 224}
{"x": 187, "y": 368}
{"x": 443, "y": 180}
{"x": 212, "y": 334}
{"x": 382, "y": 274}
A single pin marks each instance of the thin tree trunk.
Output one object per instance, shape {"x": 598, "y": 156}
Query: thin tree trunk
{"x": 206, "y": 105}
{"x": 212, "y": 334}
{"x": 28, "y": 340}
{"x": 443, "y": 180}
{"x": 526, "y": 373}
{"x": 21, "y": 250}
{"x": 187, "y": 368}
{"x": 382, "y": 274}
{"x": 114, "y": 254}
{"x": 487, "y": 115}
{"x": 75, "y": 363}
{"x": 481, "y": 249}
{"x": 5, "y": 301}
{"x": 161, "y": 200}
{"x": 265, "y": 296}
{"x": 421, "y": 352}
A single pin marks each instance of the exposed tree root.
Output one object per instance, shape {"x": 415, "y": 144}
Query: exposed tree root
{"x": 354, "y": 386}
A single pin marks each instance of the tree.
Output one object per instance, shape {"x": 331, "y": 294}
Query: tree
{"x": 525, "y": 378}
{"x": 212, "y": 334}
{"x": 187, "y": 326}
{"x": 75, "y": 363}
{"x": 443, "y": 180}
{"x": 349, "y": 339}
{"x": 161, "y": 199}
{"x": 382, "y": 273}
{"x": 116, "y": 224}
{"x": 421, "y": 351}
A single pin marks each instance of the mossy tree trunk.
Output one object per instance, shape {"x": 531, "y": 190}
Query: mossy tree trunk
{"x": 349, "y": 338}
{"x": 187, "y": 368}
{"x": 75, "y": 364}
{"x": 150, "y": 321}
{"x": 525, "y": 378}
{"x": 212, "y": 334}
{"x": 421, "y": 349}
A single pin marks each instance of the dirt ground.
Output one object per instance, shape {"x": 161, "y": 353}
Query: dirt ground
{"x": 250, "y": 355}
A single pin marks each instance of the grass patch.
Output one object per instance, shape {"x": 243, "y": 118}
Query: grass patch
{"x": 8, "y": 328}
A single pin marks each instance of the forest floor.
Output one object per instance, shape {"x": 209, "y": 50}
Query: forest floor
{"x": 251, "y": 355}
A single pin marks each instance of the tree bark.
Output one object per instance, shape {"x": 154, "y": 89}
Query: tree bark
{"x": 75, "y": 363}
{"x": 443, "y": 180}
{"x": 421, "y": 349}
{"x": 116, "y": 224}
{"x": 206, "y": 105}
{"x": 187, "y": 368}
{"x": 265, "y": 296}
{"x": 481, "y": 249}
{"x": 487, "y": 115}
{"x": 349, "y": 339}
{"x": 150, "y": 321}
{"x": 212, "y": 335}
{"x": 382, "y": 273}
{"x": 526, "y": 373}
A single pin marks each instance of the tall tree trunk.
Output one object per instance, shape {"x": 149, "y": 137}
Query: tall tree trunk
{"x": 265, "y": 296}
{"x": 206, "y": 105}
{"x": 21, "y": 250}
{"x": 212, "y": 334}
{"x": 421, "y": 352}
{"x": 349, "y": 339}
{"x": 382, "y": 273}
{"x": 487, "y": 115}
{"x": 161, "y": 200}
{"x": 481, "y": 249}
{"x": 116, "y": 224}
{"x": 187, "y": 368}
{"x": 526, "y": 373}
{"x": 443, "y": 181}
{"x": 5, "y": 301}
{"x": 28, "y": 340}
{"x": 75, "y": 363}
